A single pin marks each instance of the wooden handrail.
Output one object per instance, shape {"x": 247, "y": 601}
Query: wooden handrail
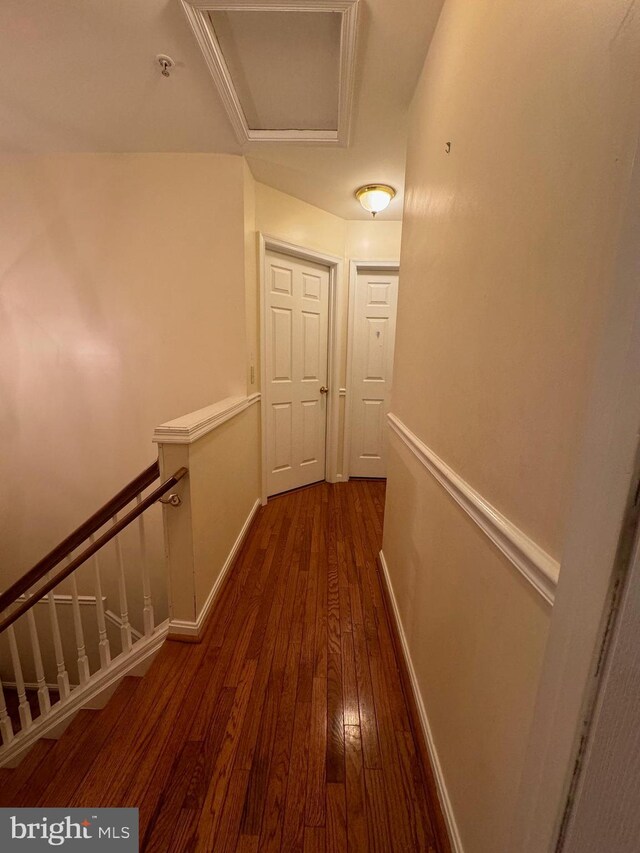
{"x": 82, "y": 533}
{"x": 95, "y": 546}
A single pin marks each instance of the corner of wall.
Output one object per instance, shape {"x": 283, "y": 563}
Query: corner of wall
{"x": 252, "y": 296}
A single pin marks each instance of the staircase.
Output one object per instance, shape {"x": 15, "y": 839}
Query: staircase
{"x": 75, "y": 625}
{"x": 52, "y": 770}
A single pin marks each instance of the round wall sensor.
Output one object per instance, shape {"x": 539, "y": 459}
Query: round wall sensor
{"x": 165, "y": 62}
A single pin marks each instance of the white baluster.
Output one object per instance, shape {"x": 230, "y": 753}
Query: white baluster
{"x": 125, "y": 628}
{"x": 103, "y": 640}
{"x": 83, "y": 660}
{"x": 63, "y": 675}
{"x": 147, "y": 612}
{"x": 6, "y": 729}
{"x": 44, "y": 701}
{"x": 23, "y": 704}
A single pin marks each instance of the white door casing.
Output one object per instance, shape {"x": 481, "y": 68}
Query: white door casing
{"x": 372, "y": 330}
{"x": 296, "y": 294}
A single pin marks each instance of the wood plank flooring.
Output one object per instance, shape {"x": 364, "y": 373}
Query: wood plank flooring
{"x": 287, "y": 728}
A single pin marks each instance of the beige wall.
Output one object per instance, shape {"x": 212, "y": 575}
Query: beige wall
{"x": 371, "y": 240}
{"x": 506, "y": 259}
{"x": 287, "y": 218}
{"x": 224, "y": 489}
{"x": 510, "y": 236}
{"x": 476, "y": 632}
{"x": 122, "y": 305}
{"x": 217, "y": 497}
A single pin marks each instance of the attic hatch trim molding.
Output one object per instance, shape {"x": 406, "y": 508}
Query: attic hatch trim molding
{"x": 197, "y": 15}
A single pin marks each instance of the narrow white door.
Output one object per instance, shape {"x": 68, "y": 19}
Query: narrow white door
{"x": 373, "y": 329}
{"x": 296, "y": 329}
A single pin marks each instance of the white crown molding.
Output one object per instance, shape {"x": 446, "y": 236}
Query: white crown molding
{"x": 540, "y": 569}
{"x": 443, "y": 794}
{"x": 196, "y": 13}
{"x": 191, "y": 427}
{"x": 181, "y": 628}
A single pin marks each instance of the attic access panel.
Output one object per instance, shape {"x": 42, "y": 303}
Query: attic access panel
{"x": 285, "y": 70}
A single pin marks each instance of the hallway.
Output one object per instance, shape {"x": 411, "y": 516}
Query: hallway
{"x": 285, "y": 729}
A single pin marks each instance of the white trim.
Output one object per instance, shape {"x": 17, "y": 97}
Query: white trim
{"x": 80, "y": 697}
{"x": 540, "y": 569}
{"x": 443, "y": 794}
{"x": 355, "y": 266}
{"x": 83, "y": 600}
{"x": 196, "y": 13}
{"x": 116, "y": 620}
{"x": 191, "y": 427}
{"x": 302, "y": 252}
{"x": 33, "y": 685}
{"x": 192, "y": 630}
{"x": 335, "y": 264}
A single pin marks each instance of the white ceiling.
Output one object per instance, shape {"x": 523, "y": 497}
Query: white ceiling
{"x": 285, "y": 66}
{"x": 81, "y": 75}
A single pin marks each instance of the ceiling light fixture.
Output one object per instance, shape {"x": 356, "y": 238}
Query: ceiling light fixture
{"x": 375, "y": 197}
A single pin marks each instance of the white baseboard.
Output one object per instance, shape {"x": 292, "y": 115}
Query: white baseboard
{"x": 445, "y": 802}
{"x": 94, "y": 694}
{"x": 183, "y": 629}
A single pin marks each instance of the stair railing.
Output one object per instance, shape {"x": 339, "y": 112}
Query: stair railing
{"x": 40, "y": 582}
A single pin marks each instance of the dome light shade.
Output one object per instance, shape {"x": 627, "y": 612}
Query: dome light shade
{"x": 375, "y": 197}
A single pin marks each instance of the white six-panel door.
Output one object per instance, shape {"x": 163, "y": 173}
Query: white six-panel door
{"x": 296, "y": 329}
{"x": 373, "y": 328}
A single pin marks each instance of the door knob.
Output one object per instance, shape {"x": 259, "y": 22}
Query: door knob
{"x": 324, "y": 390}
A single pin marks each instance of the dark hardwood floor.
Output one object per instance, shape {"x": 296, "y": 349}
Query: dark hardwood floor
{"x": 287, "y": 728}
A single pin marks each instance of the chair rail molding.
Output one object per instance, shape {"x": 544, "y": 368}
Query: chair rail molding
{"x": 191, "y": 427}
{"x": 539, "y": 568}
